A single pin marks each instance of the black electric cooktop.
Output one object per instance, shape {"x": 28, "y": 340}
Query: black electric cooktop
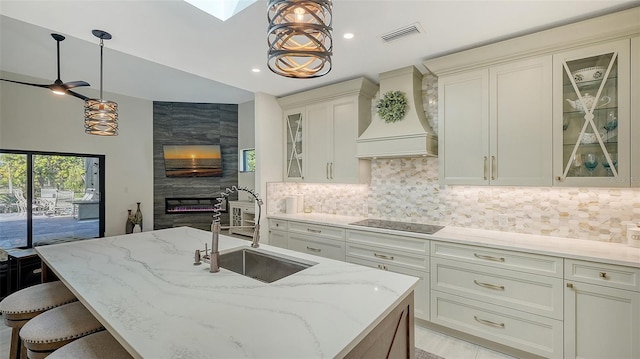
{"x": 399, "y": 226}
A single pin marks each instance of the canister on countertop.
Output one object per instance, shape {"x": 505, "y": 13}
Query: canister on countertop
{"x": 300, "y": 197}
{"x": 291, "y": 205}
{"x": 633, "y": 237}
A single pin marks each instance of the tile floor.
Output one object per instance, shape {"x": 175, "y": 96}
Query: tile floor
{"x": 426, "y": 339}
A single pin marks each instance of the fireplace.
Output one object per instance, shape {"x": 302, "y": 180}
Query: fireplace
{"x": 192, "y": 205}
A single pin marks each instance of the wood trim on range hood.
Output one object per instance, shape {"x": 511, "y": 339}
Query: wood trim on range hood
{"x": 410, "y": 137}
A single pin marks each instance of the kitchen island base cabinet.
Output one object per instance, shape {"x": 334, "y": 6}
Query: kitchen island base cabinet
{"x": 392, "y": 338}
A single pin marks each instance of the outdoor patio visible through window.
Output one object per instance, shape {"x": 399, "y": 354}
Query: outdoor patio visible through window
{"x": 49, "y": 198}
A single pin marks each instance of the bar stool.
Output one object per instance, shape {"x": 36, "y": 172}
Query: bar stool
{"x": 100, "y": 345}
{"x": 19, "y": 307}
{"x": 57, "y": 327}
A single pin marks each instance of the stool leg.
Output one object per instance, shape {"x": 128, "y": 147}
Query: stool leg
{"x": 14, "y": 351}
{"x": 23, "y": 351}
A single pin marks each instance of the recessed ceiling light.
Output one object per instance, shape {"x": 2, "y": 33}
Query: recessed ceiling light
{"x": 255, "y": 69}
{"x": 348, "y": 35}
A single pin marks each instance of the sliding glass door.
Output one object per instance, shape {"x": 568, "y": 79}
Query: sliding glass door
{"x": 48, "y": 198}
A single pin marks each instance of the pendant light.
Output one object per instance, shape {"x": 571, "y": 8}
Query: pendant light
{"x": 101, "y": 116}
{"x": 299, "y": 37}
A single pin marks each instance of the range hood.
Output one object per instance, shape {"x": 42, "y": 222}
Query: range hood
{"x": 410, "y": 137}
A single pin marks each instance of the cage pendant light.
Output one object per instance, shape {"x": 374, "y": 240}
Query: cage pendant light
{"x": 101, "y": 116}
{"x": 299, "y": 37}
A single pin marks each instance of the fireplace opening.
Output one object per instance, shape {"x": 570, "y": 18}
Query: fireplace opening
{"x": 192, "y": 205}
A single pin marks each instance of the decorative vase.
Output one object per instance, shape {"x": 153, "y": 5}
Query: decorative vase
{"x": 138, "y": 217}
{"x": 129, "y": 226}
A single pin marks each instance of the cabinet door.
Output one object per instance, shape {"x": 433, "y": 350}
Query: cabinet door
{"x": 464, "y": 128}
{"x": 601, "y": 322}
{"x": 592, "y": 116}
{"x": 635, "y": 112}
{"x": 294, "y": 145}
{"x": 278, "y": 238}
{"x": 521, "y": 123}
{"x": 319, "y": 143}
{"x": 344, "y": 165}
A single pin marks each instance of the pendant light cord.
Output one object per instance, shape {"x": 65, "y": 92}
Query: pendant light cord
{"x": 101, "y": 47}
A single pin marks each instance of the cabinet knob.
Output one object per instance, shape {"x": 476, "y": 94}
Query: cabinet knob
{"x": 603, "y": 275}
{"x": 570, "y": 285}
{"x": 559, "y": 178}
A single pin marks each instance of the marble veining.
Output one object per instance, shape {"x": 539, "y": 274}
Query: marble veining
{"x": 145, "y": 290}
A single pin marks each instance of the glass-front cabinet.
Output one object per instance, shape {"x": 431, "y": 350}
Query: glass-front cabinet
{"x": 592, "y": 116}
{"x": 294, "y": 151}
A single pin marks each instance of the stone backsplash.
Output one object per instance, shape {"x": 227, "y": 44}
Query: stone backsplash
{"x": 408, "y": 190}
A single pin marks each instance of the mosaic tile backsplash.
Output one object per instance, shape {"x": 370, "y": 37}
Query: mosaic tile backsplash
{"x": 408, "y": 190}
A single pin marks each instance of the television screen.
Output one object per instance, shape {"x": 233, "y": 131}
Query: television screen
{"x": 192, "y": 160}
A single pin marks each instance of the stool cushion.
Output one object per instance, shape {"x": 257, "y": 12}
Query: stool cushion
{"x": 100, "y": 345}
{"x": 64, "y": 323}
{"x": 36, "y": 299}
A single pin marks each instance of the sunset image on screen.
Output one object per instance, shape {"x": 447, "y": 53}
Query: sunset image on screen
{"x": 192, "y": 160}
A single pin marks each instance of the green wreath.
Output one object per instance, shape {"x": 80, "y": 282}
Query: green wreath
{"x": 392, "y": 106}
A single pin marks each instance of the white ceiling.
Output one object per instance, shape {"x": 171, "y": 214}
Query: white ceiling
{"x": 168, "y": 50}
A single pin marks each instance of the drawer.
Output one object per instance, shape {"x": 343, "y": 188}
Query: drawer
{"x": 609, "y": 275}
{"x": 421, "y": 292}
{"x": 278, "y": 238}
{"x": 531, "y": 293}
{"x": 513, "y": 260}
{"x": 389, "y": 241}
{"x": 277, "y": 224}
{"x": 317, "y": 246}
{"x": 388, "y": 256}
{"x": 528, "y": 332}
{"x": 317, "y": 230}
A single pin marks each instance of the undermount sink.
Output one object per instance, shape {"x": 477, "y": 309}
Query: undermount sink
{"x": 260, "y": 265}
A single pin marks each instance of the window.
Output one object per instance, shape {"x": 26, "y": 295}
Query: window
{"x": 248, "y": 160}
{"x": 50, "y": 197}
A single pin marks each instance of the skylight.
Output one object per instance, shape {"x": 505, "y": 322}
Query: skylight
{"x": 222, "y": 9}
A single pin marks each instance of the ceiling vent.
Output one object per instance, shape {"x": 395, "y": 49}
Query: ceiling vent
{"x": 402, "y": 32}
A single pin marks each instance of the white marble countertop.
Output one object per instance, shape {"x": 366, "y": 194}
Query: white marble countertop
{"x": 613, "y": 253}
{"x": 145, "y": 290}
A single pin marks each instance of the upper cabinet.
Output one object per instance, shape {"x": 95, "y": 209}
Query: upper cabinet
{"x": 322, "y": 126}
{"x": 558, "y": 107}
{"x": 635, "y": 112}
{"x": 497, "y": 125}
{"x": 592, "y": 116}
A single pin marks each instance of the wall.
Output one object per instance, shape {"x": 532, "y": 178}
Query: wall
{"x": 37, "y": 120}
{"x": 176, "y": 123}
{"x": 246, "y": 139}
{"x": 408, "y": 190}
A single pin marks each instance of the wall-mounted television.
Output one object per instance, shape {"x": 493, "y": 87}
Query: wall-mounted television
{"x": 192, "y": 160}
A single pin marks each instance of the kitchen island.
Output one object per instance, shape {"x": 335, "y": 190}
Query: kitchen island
{"x": 145, "y": 289}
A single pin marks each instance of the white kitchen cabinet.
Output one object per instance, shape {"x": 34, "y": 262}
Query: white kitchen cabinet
{"x": 602, "y": 311}
{"x": 319, "y": 240}
{"x": 399, "y": 254}
{"x": 243, "y": 215}
{"x": 322, "y": 127}
{"x": 496, "y": 125}
{"x": 635, "y": 112}
{"x": 592, "y": 107}
{"x": 509, "y": 297}
{"x": 278, "y": 233}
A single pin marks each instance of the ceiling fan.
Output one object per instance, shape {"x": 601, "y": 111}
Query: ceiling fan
{"x": 59, "y": 87}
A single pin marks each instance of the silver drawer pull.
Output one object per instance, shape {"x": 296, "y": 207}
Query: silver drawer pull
{"x": 488, "y": 322}
{"x": 382, "y": 256}
{"x": 490, "y": 286}
{"x": 314, "y": 230}
{"x": 314, "y": 249}
{"x": 382, "y": 266}
{"x": 489, "y": 258}
{"x": 603, "y": 275}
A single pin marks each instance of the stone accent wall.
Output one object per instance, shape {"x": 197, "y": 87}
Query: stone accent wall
{"x": 176, "y": 123}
